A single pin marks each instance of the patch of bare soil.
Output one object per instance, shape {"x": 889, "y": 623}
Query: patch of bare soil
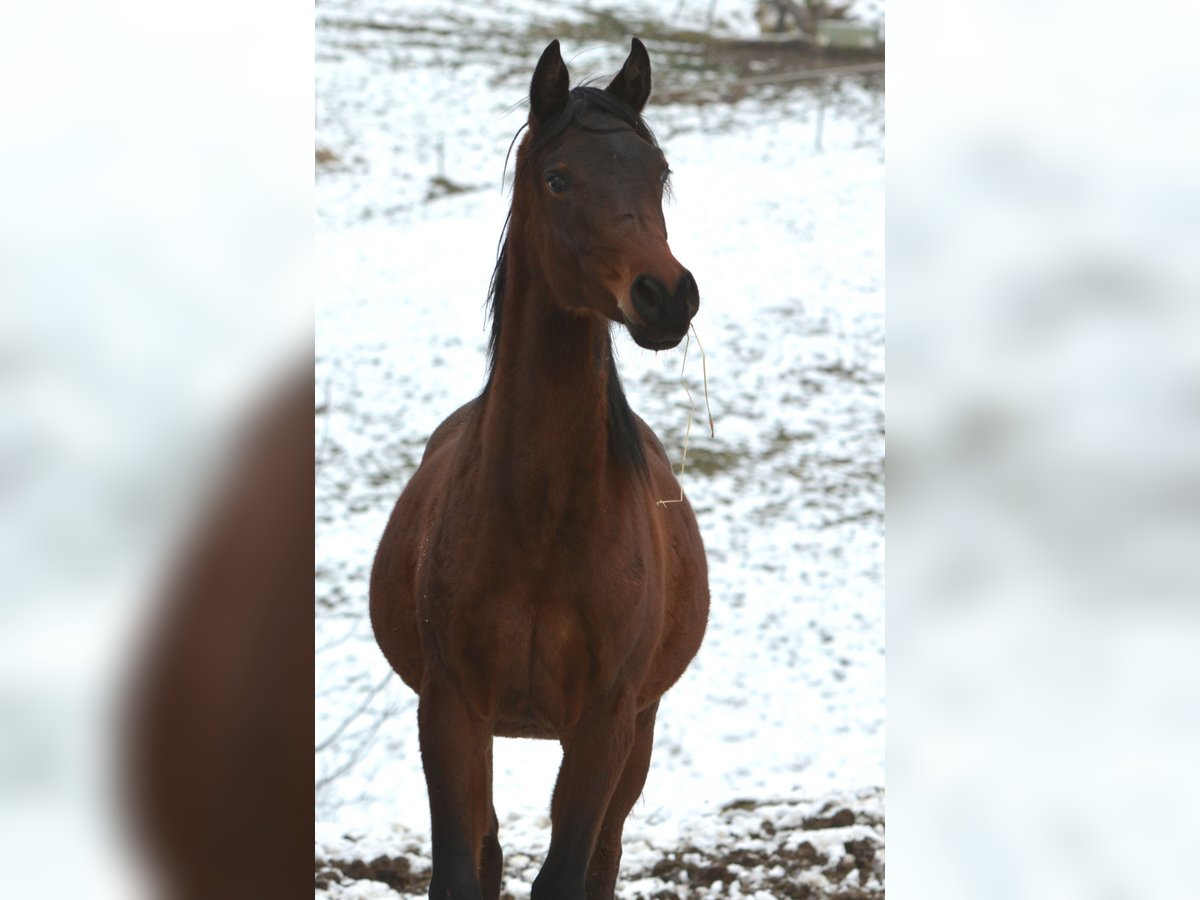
{"x": 835, "y": 855}
{"x": 792, "y": 851}
{"x": 394, "y": 871}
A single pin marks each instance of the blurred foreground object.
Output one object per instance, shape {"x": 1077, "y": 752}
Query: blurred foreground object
{"x": 1044, "y": 454}
{"x": 155, "y": 224}
{"x": 220, "y": 765}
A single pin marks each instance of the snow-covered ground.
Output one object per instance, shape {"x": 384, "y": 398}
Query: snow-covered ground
{"x": 771, "y": 744}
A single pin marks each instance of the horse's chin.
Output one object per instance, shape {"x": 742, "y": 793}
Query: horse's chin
{"x": 655, "y": 342}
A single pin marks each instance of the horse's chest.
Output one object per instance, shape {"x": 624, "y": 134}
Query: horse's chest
{"x": 539, "y": 651}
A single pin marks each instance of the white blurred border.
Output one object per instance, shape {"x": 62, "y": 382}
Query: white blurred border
{"x": 1043, "y": 450}
{"x": 155, "y": 252}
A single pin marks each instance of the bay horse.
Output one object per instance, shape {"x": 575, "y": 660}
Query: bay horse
{"x": 528, "y": 583}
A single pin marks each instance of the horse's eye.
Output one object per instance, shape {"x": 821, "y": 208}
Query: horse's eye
{"x": 666, "y": 173}
{"x": 556, "y": 183}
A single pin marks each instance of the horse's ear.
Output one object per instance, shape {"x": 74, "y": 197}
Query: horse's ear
{"x": 632, "y": 83}
{"x": 550, "y": 86}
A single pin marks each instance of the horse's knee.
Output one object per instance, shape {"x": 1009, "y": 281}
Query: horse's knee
{"x": 556, "y": 887}
{"x": 491, "y": 863}
{"x": 459, "y": 886}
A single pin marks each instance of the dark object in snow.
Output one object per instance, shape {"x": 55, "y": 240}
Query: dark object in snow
{"x": 394, "y": 871}
{"x": 529, "y": 583}
{"x": 839, "y": 819}
{"x": 218, "y": 761}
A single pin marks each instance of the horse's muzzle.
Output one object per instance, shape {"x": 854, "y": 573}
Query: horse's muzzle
{"x": 664, "y": 315}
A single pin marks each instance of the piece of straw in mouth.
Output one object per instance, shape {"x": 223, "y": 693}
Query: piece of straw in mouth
{"x": 712, "y": 430}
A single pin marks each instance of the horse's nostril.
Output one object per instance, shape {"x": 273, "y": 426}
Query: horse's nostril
{"x": 688, "y": 292}
{"x": 648, "y": 294}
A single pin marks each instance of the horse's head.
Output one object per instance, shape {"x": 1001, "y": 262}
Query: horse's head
{"x": 591, "y": 179}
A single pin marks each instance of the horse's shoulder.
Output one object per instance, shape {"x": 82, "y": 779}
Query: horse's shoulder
{"x": 449, "y": 429}
{"x": 650, "y": 439}
{"x": 663, "y": 480}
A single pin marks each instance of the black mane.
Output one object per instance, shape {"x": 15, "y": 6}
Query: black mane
{"x": 624, "y": 437}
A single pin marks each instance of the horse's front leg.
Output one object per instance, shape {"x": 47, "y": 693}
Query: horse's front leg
{"x": 594, "y": 756}
{"x": 455, "y": 750}
{"x": 606, "y": 857}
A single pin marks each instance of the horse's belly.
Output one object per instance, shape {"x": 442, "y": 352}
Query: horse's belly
{"x": 517, "y": 723}
{"x": 561, "y": 664}
{"x": 536, "y": 660}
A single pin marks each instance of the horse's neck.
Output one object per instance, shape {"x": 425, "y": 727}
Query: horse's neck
{"x": 545, "y": 412}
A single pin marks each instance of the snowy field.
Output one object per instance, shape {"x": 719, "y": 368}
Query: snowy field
{"x": 767, "y": 773}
